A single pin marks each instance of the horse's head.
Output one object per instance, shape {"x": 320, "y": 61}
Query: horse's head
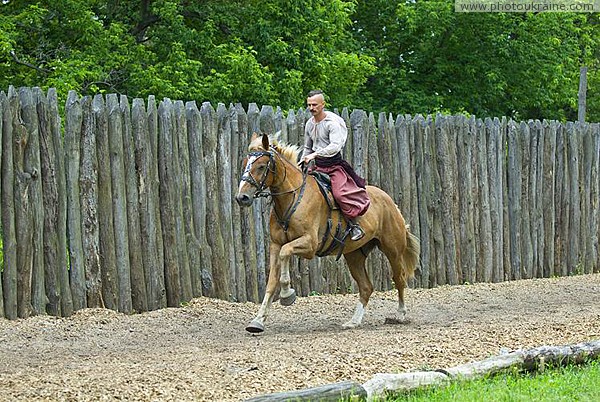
{"x": 259, "y": 171}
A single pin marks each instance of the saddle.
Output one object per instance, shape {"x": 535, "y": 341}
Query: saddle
{"x": 324, "y": 182}
{"x": 338, "y": 239}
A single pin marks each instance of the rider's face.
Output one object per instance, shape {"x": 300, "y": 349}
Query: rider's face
{"x": 315, "y": 104}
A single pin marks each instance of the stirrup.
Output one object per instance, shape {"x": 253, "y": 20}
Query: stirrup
{"x": 356, "y": 233}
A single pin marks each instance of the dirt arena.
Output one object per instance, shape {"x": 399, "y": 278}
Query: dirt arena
{"x": 201, "y": 352}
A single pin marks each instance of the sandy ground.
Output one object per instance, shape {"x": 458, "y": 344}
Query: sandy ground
{"x": 201, "y": 352}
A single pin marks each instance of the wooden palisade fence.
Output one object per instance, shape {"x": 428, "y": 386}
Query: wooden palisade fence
{"x": 129, "y": 205}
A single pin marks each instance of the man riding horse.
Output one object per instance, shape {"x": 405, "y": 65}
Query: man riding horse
{"x": 325, "y": 136}
{"x": 301, "y": 219}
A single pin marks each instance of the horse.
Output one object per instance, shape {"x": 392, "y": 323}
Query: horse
{"x": 300, "y": 224}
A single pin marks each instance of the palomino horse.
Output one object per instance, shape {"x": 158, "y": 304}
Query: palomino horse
{"x": 300, "y": 225}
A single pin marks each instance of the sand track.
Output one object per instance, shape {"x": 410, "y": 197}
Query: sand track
{"x": 202, "y": 353}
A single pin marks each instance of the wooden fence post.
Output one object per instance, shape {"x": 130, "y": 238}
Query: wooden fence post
{"x": 422, "y": 184}
{"x": 514, "y": 199}
{"x": 2, "y": 113}
{"x": 139, "y": 296}
{"x": 88, "y": 182}
{"x": 562, "y": 202}
{"x": 526, "y": 200}
{"x": 194, "y": 265}
{"x": 168, "y": 193}
{"x": 56, "y": 136}
{"x": 198, "y": 199}
{"x": 72, "y": 158}
{"x": 23, "y": 211}
{"x": 398, "y": 160}
{"x": 435, "y": 185}
{"x": 32, "y": 167}
{"x": 482, "y": 195}
{"x": 9, "y": 236}
{"x": 595, "y": 196}
{"x": 536, "y": 180}
{"x": 108, "y": 259}
{"x": 359, "y": 126}
{"x": 153, "y": 134}
{"x": 119, "y": 202}
{"x": 548, "y": 190}
{"x": 225, "y": 195}
{"x": 507, "y": 271}
{"x": 589, "y": 170}
{"x": 495, "y": 156}
{"x": 150, "y": 227}
{"x": 573, "y": 152}
{"x": 181, "y": 173}
{"x": 404, "y": 171}
{"x": 466, "y": 202}
{"x": 215, "y": 239}
{"x": 444, "y": 152}
{"x": 238, "y": 127}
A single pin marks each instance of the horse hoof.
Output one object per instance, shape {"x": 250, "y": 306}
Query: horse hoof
{"x": 288, "y": 300}
{"x": 255, "y": 327}
{"x": 350, "y": 325}
{"x": 397, "y": 320}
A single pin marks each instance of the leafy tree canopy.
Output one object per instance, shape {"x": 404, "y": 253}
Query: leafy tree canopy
{"x": 269, "y": 52}
{"x": 524, "y": 65}
{"x": 402, "y": 57}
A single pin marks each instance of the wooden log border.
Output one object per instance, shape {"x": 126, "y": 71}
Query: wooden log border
{"x": 384, "y": 384}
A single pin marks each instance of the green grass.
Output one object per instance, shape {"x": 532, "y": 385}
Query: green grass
{"x": 571, "y": 383}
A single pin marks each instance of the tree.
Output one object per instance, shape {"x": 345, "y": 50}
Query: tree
{"x": 202, "y": 50}
{"x": 402, "y": 57}
{"x": 430, "y": 58}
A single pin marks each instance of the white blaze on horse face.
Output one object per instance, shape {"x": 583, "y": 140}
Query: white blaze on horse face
{"x": 246, "y": 173}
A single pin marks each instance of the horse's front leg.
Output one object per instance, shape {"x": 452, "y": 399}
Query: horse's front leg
{"x": 258, "y": 323}
{"x": 303, "y": 246}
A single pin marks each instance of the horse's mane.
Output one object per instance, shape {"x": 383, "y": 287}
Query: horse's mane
{"x": 288, "y": 151}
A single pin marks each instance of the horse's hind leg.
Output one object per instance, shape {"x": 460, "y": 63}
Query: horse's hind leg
{"x": 356, "y": 263}
{"x": 393, "y": 252}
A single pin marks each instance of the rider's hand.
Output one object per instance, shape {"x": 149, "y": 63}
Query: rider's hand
{"x": 309, "y": 158}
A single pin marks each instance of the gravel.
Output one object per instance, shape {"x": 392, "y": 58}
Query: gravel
{"x": 201, "y": 352}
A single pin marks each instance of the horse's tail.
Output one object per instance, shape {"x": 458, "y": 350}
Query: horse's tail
{"x": 411, "y": 253}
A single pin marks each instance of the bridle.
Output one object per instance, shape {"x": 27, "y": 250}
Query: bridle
{"x": 247, "y": 174}
{"x": 261, "y": 184}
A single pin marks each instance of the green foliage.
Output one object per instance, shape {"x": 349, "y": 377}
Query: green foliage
{"x": 571, "y": 383}
{"x": 522, "y": 65}
{"x": 184, "y": 50}
{"x": 401, "y": 57}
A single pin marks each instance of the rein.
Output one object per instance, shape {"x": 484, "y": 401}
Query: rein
{"x": 284, "y": 221}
